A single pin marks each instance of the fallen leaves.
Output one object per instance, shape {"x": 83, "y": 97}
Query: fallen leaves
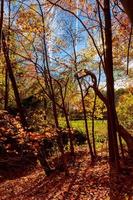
{"x": 85, "y": 182}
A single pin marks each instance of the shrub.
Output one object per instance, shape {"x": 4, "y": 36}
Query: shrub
{"x": 79, "y": 137}
{"x": 125, "y": 110}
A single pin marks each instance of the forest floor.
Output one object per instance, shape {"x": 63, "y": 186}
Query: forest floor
{"x": 26, "y": 179}
{"x": 85, "y": 182}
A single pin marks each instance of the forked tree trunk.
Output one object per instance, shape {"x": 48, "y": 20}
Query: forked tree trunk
{"x": 83, "y": 105}
{"x": 66, "y": 118}
{"x": 49, "y": 82}
{"x": 127, "y": 137}
{"x": 59, "y": 138}
{"x": 120, "y": 129}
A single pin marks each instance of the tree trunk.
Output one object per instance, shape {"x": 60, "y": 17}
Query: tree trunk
{"x": 93, "y": 125}
{"x": 120, "y": 129}
{"x": 42, "y": 158}
{"x": 1, "y": 21}
{"x": 112, "y": 135}
{"x": 49, "y": 82}
{"x": 6, "y": 89}
{"x": 6, "y": 70}
{"x": 85, "y": 120}
{"x": 127, "y": 137}
{"x": 68, "y": 123}
{"x": 13, "y": 81}
{"x": 128, "y": 6}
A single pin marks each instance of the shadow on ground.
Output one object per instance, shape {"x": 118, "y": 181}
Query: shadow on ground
{"x": 13, "y": 166}
{"x": 121, "y": 185}
{"x": 85, "y": 182}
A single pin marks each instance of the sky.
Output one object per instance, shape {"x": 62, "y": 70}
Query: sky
{"x": 59, "y": 19}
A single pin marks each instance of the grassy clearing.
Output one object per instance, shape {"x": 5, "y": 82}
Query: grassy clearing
{"x": 100, "y": 126}
{"x": 100, "y": 129}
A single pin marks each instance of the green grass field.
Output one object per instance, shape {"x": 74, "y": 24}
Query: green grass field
{"x": 100, "y": 129}
{"x": 100, "y": 126}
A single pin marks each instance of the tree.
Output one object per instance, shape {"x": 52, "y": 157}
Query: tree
{"x": 13, "y": 81}
{"x": 120, "y": 129}
{"x": 128, "y": 6}
{"x": 113, "y": 144}
{"x": 54, "y": 60}
{"x": 1, "y": 21}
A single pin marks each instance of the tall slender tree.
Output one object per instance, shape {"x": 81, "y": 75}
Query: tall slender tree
{"x": 1, "y": 21}
{"x": 49, "y": 81}
{"x": 13, "y": 81}
{"x": 112, "y": 131}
